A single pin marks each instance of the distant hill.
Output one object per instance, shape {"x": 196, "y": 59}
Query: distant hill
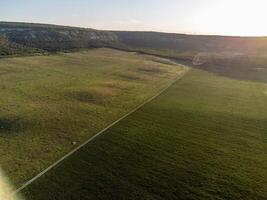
{"x": 198, "y": 43}
{"x": 54, "y": 38}
{"x": 24, "y": 37}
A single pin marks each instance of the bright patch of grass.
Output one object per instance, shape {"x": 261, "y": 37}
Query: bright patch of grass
{"x": 204, "y": 138}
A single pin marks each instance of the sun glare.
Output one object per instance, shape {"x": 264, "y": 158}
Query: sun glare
{"x": 234, "y": 17}
{"x": 6, "y": 190}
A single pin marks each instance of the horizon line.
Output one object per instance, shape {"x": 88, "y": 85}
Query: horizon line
{"x": 148, "y": 31}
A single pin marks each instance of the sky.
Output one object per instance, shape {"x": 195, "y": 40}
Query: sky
{"x": 213, "y": 17}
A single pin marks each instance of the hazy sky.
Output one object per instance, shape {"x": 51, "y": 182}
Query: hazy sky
{"x": 224, "y": 17}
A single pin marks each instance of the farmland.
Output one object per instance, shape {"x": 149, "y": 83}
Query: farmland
{"x": 51, "y": 104}
{"x": 204, "y": 138}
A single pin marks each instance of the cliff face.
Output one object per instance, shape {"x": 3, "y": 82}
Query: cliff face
{"x": 55, "y": 38}
{"x": 8, "y": 48}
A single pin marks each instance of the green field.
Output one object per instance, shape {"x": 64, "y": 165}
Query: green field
{"x": 204, "y": 138}
{"x": 51, "y": 104}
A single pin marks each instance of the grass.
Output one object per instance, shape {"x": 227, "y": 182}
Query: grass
{"x": 50, "y": 103}
{"x": 242, "y": 67}
{"x": 251, "y": 67}
{"x": 204, "y": 138}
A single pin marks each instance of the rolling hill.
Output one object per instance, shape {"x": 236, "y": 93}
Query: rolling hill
{"x": 195, "y": 43}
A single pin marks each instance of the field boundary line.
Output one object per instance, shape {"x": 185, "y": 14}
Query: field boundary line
{"x": 100, "y": 132}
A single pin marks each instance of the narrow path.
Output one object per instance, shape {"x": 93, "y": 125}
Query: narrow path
{"x": 99, "y": 133}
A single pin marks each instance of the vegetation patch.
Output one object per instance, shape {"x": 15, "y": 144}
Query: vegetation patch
{"x": 97, "y": 95}
{"x": 4, "y": 71}
{"x": 118, "y": 85}
{"x": 131, "y": 76}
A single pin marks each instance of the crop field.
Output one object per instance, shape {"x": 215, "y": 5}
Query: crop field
{"x": 204, "y": 138}
{"x": 51, "y": 104}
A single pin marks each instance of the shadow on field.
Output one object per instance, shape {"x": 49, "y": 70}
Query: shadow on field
{"x": 151, "y": 70}
{"x": 8, "y": 126}
{"x": 98, "y": 96}
{"x": 240, "y": 67}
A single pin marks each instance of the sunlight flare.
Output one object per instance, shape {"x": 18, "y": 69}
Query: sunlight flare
{"x": 239, "y": 17}
{"x": 6, "y": 190}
